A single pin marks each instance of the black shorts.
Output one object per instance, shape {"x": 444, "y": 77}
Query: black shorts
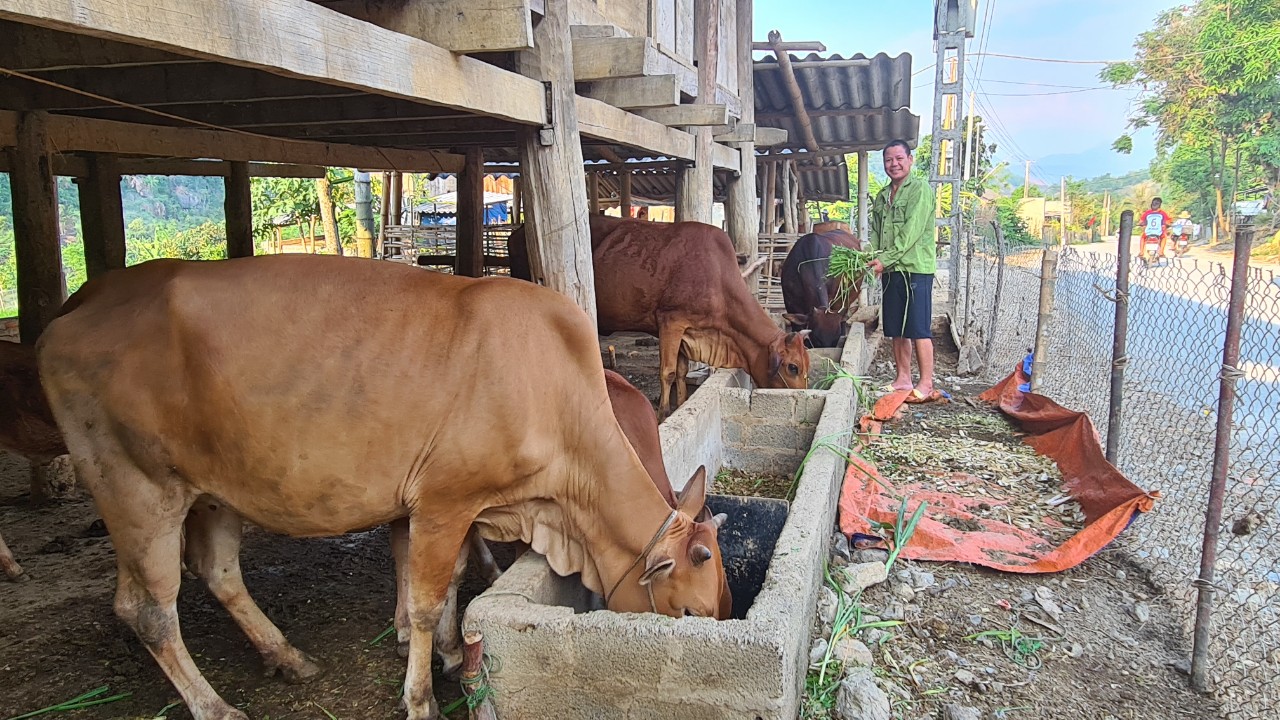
{"x": 907, "y": 305}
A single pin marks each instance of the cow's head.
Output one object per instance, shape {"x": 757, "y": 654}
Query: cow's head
{"x": 683, "y": 573}
{"x": 826, "y": 326}
{"x": 788, "y": 362}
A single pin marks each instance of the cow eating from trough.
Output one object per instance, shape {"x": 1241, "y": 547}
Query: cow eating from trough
{"x": 681, "y": 283}
{"x": 27, "y": 427}
{"x": 308, "y": 418}
{"x": 639, "y": 423}
{"x": 813, "y": 300}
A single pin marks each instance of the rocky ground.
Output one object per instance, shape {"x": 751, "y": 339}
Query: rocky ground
{"x": 932, "y": 640}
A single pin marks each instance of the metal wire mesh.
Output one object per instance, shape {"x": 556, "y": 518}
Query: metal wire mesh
{"x": 1177, "y": 323}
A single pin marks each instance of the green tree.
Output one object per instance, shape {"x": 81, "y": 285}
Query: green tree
{"x": 1210, "y": 75}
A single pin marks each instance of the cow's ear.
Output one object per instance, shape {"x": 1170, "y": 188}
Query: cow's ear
{"x": 803, "y": 334}
{"x": 796, "y": 318}
{"x": 657, "y": 568}
{"x": 694, "y": 494}
{"x": 775, "y": 356}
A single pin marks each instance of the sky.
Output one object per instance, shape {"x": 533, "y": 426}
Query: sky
{"x": 1025, "y": 126}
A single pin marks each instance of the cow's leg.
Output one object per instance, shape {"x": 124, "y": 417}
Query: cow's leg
{"x": 144, "y": 517}
{"x": 10, "y": 566}
{"x": 448, "y": 638}
{"x": 669, "y": 336}
{"x": 400, "y": 556}
{"x": 213, "y": 554}
{"x": 682, "y": 378}
{"x": 483, "y": 558}
{"x": 434, "y": 545}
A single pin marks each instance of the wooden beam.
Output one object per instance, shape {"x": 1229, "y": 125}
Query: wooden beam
{"x": 396, "y": 216}
{"x": 793, "y": 88}
{"x": 724, "y": 157}
{"x": 238, "y": 211}
{"x": 470, "y": 243}
{"x": 73, "y": 134}
{"x": 282, "y": 37}
{"x": 78, "y": 166}
{"x": 639, "y": 92}
{"x": 684, "y": 115}
{"x": 789, "y": 46}
{"x": 29, "y": 48}
{"x": 620, "y": 57}
{"x": 102, "y": 216}
{"x": 595, "y": 31}
{"x": 605, "y": 122}
{"x": 769, "y": 136}
{"x": 36, "y": 245}
{"x": 557, "y": 226}
{"x": 624, "y": 193}
{"x": 460, "y": 26}
{"x": 593, "y": 192}
{"x": 695, "y": 191}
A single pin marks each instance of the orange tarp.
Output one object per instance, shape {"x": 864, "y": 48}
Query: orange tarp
{"x": 1108, "y": 499}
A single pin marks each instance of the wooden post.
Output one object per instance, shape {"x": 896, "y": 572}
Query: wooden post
{"x": 397, "y": 199}
{"x": 557, "y": 229}
{"x": 864, "y": 207}
{"x": 1048, "y": 280}
{"x": 593, "y": 192}
{"x": 364, "y": 215}
{"x": 624, "y": 193}
{"x": 473, "y": 675}
{"x": 742, "y": 206}
{"x": 770, "y": 197}
{"x": 696, "y": 192}
{"x": 102, "y": 216}
{"x": 384, "y": 215}
{"x": 468, "y": 258}
{"x": 328, "y": 217}
{"x": 788, "y": 199}
{"x": 35, "y": 228}
{"x": 238, "y": 208}
{"x": 517, "y": 200}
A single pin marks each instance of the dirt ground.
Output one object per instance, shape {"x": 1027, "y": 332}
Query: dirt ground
{"x": 1100, "y": 640}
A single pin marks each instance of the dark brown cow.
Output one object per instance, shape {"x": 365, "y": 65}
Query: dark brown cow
{"x": 681, "y": 282}
{"x": 639, "y": 423}
{"x": 26, "y": 425}
{"x": 309, "y": 418}
{"x": 809, "y": 295}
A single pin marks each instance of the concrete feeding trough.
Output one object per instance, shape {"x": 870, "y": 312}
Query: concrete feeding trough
{"x": 558, "y": 658}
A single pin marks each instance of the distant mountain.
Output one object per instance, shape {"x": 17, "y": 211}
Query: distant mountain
{"x": 1092, "y": 163}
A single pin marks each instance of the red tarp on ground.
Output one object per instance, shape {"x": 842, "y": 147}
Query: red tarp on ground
{"x": 1109, "y": 500}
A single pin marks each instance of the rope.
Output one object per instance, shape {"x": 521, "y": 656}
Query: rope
{"x": 1230, "y": 373}
{"x": 654, "y": 541}
{"x": 1120, "y": 362}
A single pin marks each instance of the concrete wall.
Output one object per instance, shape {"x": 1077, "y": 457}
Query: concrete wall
{"x": 557, "y": 661}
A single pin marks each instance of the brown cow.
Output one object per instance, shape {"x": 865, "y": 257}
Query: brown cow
{"x": 639, "y": 423}
{"x": 197, "y": 394}
{"x": 681, "y": 282}
{"x": 26, "y": 426}
{"x": 811, "y": 297}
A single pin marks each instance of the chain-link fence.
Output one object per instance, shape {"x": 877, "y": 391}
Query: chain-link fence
{"x": 1176, "y": 331}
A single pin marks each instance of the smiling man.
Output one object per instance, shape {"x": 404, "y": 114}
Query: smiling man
{"x": 902, "y": 237}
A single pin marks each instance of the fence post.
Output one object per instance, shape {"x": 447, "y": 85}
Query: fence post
{"x": 995, "y": 304}
{"x": 1221, "y": 459}
{"x": 1048, "y": 279}
{"x": 1118, "y": 347}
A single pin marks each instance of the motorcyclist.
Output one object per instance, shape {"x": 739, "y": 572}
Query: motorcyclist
{"x": 1155, "y": 225}
{"x": 1181, "y": 233}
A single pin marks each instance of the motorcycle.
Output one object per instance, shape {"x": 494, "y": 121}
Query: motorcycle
{"x": 1150, "y": 249}
{"x": 1181, "y": 244}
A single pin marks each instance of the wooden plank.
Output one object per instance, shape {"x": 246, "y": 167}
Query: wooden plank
{"x": 238, "y": 211}
{"x": 742, "y": 214}
{"x": 29, "y": 48}
{"x": 470, "y": 233}
{"x": 283, "y": 37}
{"x": 790, "y": 46}
{"x": 695, "y": 193}
{"x": 102, "y": 216}
{"x": 686, "y": 115}
{"x": 638, "y": 92}
{"x": 460, "y": 26}
{"x": 595, "y": 31}
{"x": 75, "y": 134}
{"x": 605, "y": 122}
{"x": 557, "y": 227}
{"x": 724, "y": 157}
{"x": 619, "y": 57}
{"x": 77, "y": 166}
{"x": 36, "y": 245}
{"x": 769, "y": 136}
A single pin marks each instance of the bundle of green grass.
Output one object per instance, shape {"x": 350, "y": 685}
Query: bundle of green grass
{"x": 851, "y": 267}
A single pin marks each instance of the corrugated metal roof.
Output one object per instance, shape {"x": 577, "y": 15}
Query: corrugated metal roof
{"x": 856, "y": 103}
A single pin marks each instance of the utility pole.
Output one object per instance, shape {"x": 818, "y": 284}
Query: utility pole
{"x": 968, "y": 155}
{"x": 1027, "y": 182}
{"x": 1062, "y": 214}
{"x": 953, "y": 25}
{"x": 1106, "y": 215}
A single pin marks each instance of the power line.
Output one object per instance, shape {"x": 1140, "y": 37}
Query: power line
{"x": 1036, "y": 84}
{"x": 1197, "y": 53}
{"x": 1055, "y": 92}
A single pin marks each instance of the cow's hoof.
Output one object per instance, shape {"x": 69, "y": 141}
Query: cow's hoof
{"x": 19, "y": 577}
{"x": 430, "y": 712}
{"x": 402, "y": 649}
{"x": 451, "y": 665}
{"x": 299, "y": 667}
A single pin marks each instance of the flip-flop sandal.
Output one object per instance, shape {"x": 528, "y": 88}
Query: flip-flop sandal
{"x": 915, "y": 398}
